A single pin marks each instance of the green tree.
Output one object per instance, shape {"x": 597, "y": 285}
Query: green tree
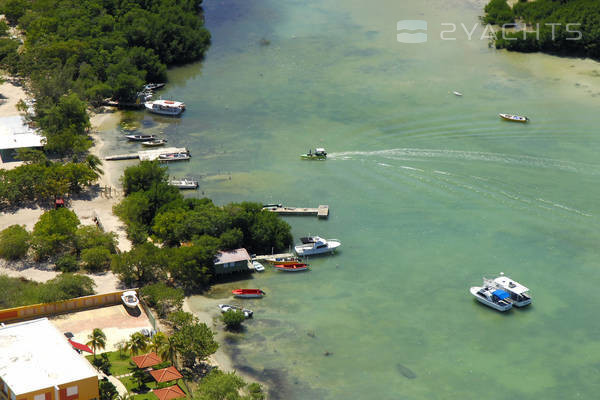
{"x": 143, "y": 176}
{"x": 89, "y": 236}
{"x": 54, "y": 233}
{"x": 233, "y": 319}
{"x": 14, "y": 242}
{"x": 194, "y": 342}
{"x": 97, "y": 340}
{"x": 163, "y": 298}
{"x": 137, "y": 344}
{"x": 143, "y": 264}
{"x": 107, "y": 390}
{"x": 218, "y": 385}
{"x": 168, "y": 350}
{"x": 67, "y": 263}
{"x": 158, "y": 340}
{"x": 96, "y": 259}
{"x": 66, "y": 286}
{"x": 14, "y": 9}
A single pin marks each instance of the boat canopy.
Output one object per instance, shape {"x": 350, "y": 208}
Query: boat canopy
{"x": 511, "y": 285}
{"x": 501, "y": 294}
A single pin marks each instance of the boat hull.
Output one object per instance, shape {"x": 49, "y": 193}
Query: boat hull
{"x": 292, "y": 268}
{"x": 513, "y": 118}
{"x": 129, "y": 303}
{"x": 487, "y": 302}
{"x": 307, "y": 157}
{"x": 248, "y": 293}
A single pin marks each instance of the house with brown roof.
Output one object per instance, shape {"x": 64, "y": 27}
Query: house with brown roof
{"x": 237, "y": 260}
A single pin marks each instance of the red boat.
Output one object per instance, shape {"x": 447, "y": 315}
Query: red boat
{"x": 292, "y": 267}
{"x": 248, "y": 293}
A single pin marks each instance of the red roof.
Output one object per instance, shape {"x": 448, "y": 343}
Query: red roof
{"x": 166, "y": 374}
{"x": 146, "y": 360}
{"x": 80, "y": 346}
{"x": 168, "y": 393}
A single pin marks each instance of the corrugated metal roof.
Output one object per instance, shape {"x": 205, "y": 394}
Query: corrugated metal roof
{"x": 236, "y": 255}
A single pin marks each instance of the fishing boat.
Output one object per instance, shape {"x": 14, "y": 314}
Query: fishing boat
{"x": 165, "y": 107}
{"x": 292, "y": 267}
{"x": 459, "y": 94}
{"x": 248, "y": 293}
{"x": 258, "y": 267}
{"x": 519, "y": 294}
{"x": 174, "y": 156}
{"x": 130, "y": 299}
{"x": 492, "y": 296}
{"x": 226, "y": 307}
{"x": 317, "y": 245}
{"x": 140, "y": 138}
{"x": 184, "y": 183}
{"x": 513, "y": 118}
{"x": 154, "y": 142}
{"x": 319, "y": 154}
{"x": 283, "y": 260}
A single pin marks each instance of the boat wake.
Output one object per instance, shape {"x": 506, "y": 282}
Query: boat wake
{"x": 409, "y": 154}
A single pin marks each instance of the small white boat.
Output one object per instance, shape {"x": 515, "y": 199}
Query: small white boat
{"x": 258, "y": 267}
{"x": 140, "y": 138}
{"x": 184, "y": 183}
{"x": 226, "y": 307}
{"x": 492, "y": 297}
{"x": 154, "y": 142}
{"x": 316, "y": 245}
{"x": 130, "y": 299}
{"x": 519, "y": 294}
{"x": 165, "y": 107}
{"x": 174, "y": 157}
{"x": 459, "y": 94}
{"x": 513, "y": 118}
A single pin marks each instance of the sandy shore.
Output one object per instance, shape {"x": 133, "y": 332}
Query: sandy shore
{"x": 10, "y": 95}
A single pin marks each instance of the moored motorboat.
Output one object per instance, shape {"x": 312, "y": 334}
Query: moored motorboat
{"x": 283, "y": 260}
{"x": 154, "y": 142}
{"x": 258, "y": 267}
{"x": 492, "y": 297}
{"x": 165, "y": 107}
{"x": 292, "y": 267}
{"x": 317, "y": 246}
{"x": 174, "y": 156}
{"x": 154, "y": 86}
{"x": 140, "y": 138}
{"x": 248, "y": 293}
{"x": 184, "y": 183}
{"x": 130, "y": 299}
{"x": 319, "y": 154}
{"x": 226, "y": 307}
{"x": 519, "y": 294}
{"x": 459, "y": 94}
{"x": 513, "y": 118}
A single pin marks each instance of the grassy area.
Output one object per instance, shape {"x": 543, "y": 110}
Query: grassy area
{"x": 119, "y": 364}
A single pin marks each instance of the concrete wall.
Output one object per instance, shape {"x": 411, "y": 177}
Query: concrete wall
{"x": 60, "y": 307}
{"x": 87, "y": 389}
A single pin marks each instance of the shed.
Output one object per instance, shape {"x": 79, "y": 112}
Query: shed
{"x": 237, "y": 260}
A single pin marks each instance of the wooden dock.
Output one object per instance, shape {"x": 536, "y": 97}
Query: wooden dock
{"x": 322, "y": 211}
{"x": 147, "y": 155}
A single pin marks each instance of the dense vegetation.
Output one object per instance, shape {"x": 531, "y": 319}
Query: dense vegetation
{"x": 15, "y": 292}
{"x": 191, "y": 231}
{"x": 584, "y": 15}
{"x": 77, "y": 52}
{"x": 59, "y": 236}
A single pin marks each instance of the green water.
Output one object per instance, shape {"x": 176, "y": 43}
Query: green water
{"x": 428, "y": 193}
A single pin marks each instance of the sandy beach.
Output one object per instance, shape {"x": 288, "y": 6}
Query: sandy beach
{"x": 10, "y": 94}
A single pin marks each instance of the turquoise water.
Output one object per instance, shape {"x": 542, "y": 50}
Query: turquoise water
{"x": 428, "y": 193}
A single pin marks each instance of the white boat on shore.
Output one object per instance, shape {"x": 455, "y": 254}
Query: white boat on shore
{"x": 130, "y": 299}
{"x": 184, "y": 184}
{"x": 492, "y": 297}
{"x": 519, "y": 294}
{"x": 226, "y": 307}
{"x": 316, "y": 245}
{"x": 165, "y": 107}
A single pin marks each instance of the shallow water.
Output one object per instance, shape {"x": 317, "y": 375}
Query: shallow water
{"x": 428, "y": 193}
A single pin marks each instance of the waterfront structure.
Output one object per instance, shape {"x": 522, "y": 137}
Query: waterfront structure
{"x": 237, "y": 260}
{"x": 38, "y": 363}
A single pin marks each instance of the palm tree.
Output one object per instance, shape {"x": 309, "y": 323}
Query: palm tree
{"x": 94, "y": 163}
{"x": 168, "y": 350}
{"x": 158, "y": 340}
{"x": 97, "y": 340}
{"x": 137, "y": 343}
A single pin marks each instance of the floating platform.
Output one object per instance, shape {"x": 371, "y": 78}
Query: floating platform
{"x": 147, "y": 155}
{"x": 322, "y": 211}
